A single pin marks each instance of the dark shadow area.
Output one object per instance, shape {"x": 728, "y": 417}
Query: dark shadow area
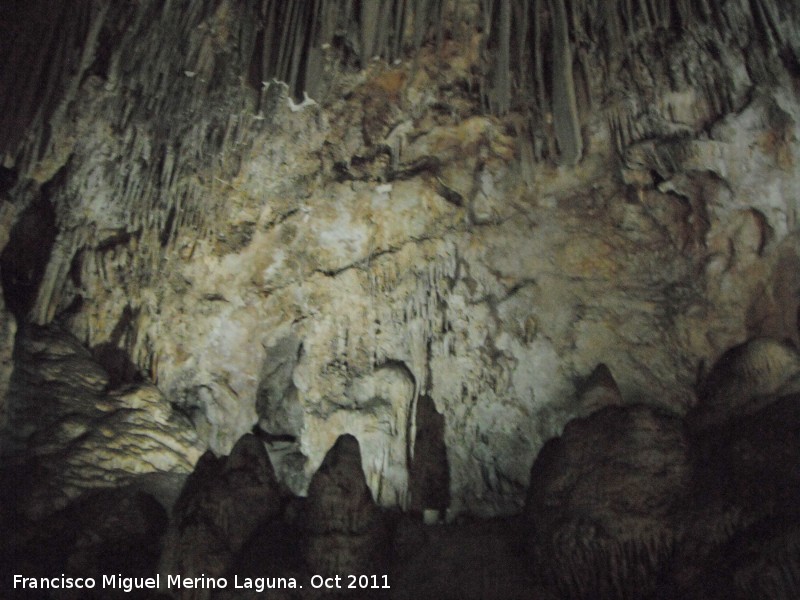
{"x": 25, "y": 257}
{"x": 428, "y": 471}
{"x": 8, "y": 179}
{"x": 121, "y": 369}
{"x": 104, "y": 532}
{"x": 113, "y": 357}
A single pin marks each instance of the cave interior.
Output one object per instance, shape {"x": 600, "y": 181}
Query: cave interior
{"x": 465, "y": 299}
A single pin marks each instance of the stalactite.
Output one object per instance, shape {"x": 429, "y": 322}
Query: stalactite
{"x": 370, "y": 17}
{"x": 565, "y": 109}
{"x": 521, "y": 18}
{"x": 397, "y": 24}
{"x": 644, "y": 8}
{"x": 502, "y": 85}
{"x": 538, "y": 61}
{"x": 530, "y": 48}
{"x": 294, "y": 34}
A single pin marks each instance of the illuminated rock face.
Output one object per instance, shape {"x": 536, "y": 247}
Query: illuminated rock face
{"x": 477, "y": 221}
{"x": 68, "y": 433}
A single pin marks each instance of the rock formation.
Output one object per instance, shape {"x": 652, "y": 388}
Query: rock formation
{"x": 604, "y": 502}
{"x": 627, "y": 503}
{"x": 508, "y": 195}
{"x": 597, "y": 391}
{"x": 422, "y": 224}
{"x": 744, "y": 379}
{"x": 67, "y": 432}
{"x": 428, "y": 472}
{"x": 219, "y": 509}
{"x": 343, "y": 525}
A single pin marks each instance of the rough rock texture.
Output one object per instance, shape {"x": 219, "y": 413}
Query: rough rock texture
{"x": 623, "y": 505}
{"x": 396, "y": 238}
{"x": 220, "y": 507}
{"x": 605, "y": 502}
{"x": 66, "y": 432}
{"x": 627, "y": 504}
{"x": 510, "y": 194}
{"x": 344, "y": 529}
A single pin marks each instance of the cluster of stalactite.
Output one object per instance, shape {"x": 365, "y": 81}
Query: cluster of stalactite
{"x": 558, "y": 61}
{"x": 542, "y": 56}
{"x": 294, "y": 36}
{"x": 122, "y": 125}
{"x": 552, "y": 60}
{"x": 549, "y": 59}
